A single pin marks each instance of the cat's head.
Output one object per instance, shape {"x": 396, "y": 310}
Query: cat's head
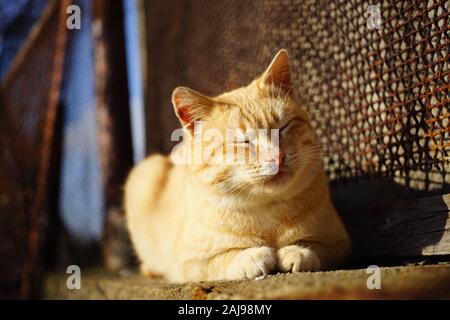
{"x": 254, "y": 143}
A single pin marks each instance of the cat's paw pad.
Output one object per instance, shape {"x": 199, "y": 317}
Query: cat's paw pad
{"x": 253, "y": 263}
{"x": 297, "y": 258}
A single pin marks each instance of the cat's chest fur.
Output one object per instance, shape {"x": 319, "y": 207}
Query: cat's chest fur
{"x": 269, "y": 225}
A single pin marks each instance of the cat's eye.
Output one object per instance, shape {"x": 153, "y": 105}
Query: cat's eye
{"x": 244, "y": 142}
{"x": 286, "y": 126}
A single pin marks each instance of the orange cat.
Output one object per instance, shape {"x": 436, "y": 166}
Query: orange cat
{"x": 210, "y": 221}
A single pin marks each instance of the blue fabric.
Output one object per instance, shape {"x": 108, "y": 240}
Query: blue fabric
{"x": 81, "y": 201}
{"x": 80, "y": 186}
{"x": 9, "y": 10}
{"x": 135, "y": 84}
{"x": 81, "y": 198}
{"x": 16, "y": 20}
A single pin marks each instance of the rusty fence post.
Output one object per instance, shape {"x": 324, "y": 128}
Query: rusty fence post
{"x": 28, "y": 150}
{"x": 114, "y": 129}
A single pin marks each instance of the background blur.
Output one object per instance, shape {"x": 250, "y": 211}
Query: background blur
{"x": 80, "y": 106}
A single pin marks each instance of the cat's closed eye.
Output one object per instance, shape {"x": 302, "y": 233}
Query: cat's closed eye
{"x": 245, "y": 143}
{"x": 286, "y": 127}
{"x": 243, "y": 140}
{"x": 290, "y": 123}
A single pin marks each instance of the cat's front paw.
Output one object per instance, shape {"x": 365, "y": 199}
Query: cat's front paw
{"x": 252, "y": 263}
{"x": 296, "y": 258}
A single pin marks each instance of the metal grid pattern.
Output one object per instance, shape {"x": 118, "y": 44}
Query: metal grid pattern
{"x": 28, "y": 110}
{"x": 378, "y": 97}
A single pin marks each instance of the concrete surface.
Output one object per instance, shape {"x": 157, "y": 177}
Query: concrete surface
{"x": 408, "y": 282}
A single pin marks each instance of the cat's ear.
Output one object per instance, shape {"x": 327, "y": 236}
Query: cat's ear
{"x": 278, "y": 73}
{"x": 190, "y": 106}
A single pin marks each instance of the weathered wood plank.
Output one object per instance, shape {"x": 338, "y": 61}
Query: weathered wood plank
{"x": 414, "y": 228}
{"x": 411, "y": 282}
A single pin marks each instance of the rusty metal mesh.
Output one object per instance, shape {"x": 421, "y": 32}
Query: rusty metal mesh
{"x": 378, "y": 98}
{"x": 29, "y": 96}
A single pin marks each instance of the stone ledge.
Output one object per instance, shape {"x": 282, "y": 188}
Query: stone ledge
{"x": 409, "y": 282}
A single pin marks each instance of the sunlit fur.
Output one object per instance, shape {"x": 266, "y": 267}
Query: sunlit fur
{"x": 228, "y": 221}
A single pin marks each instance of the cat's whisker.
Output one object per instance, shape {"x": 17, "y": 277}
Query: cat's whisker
{"x": 305, "y": 156}
{"x": 234, "y": 196}
{"x": 244, "y": 188}
{"x": 221, "y": 182}
{"x": 231, "y": 187}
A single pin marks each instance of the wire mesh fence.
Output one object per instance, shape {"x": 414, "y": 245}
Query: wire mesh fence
{"x": 28, "y": 113}
{"x": 376, "y": 87}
